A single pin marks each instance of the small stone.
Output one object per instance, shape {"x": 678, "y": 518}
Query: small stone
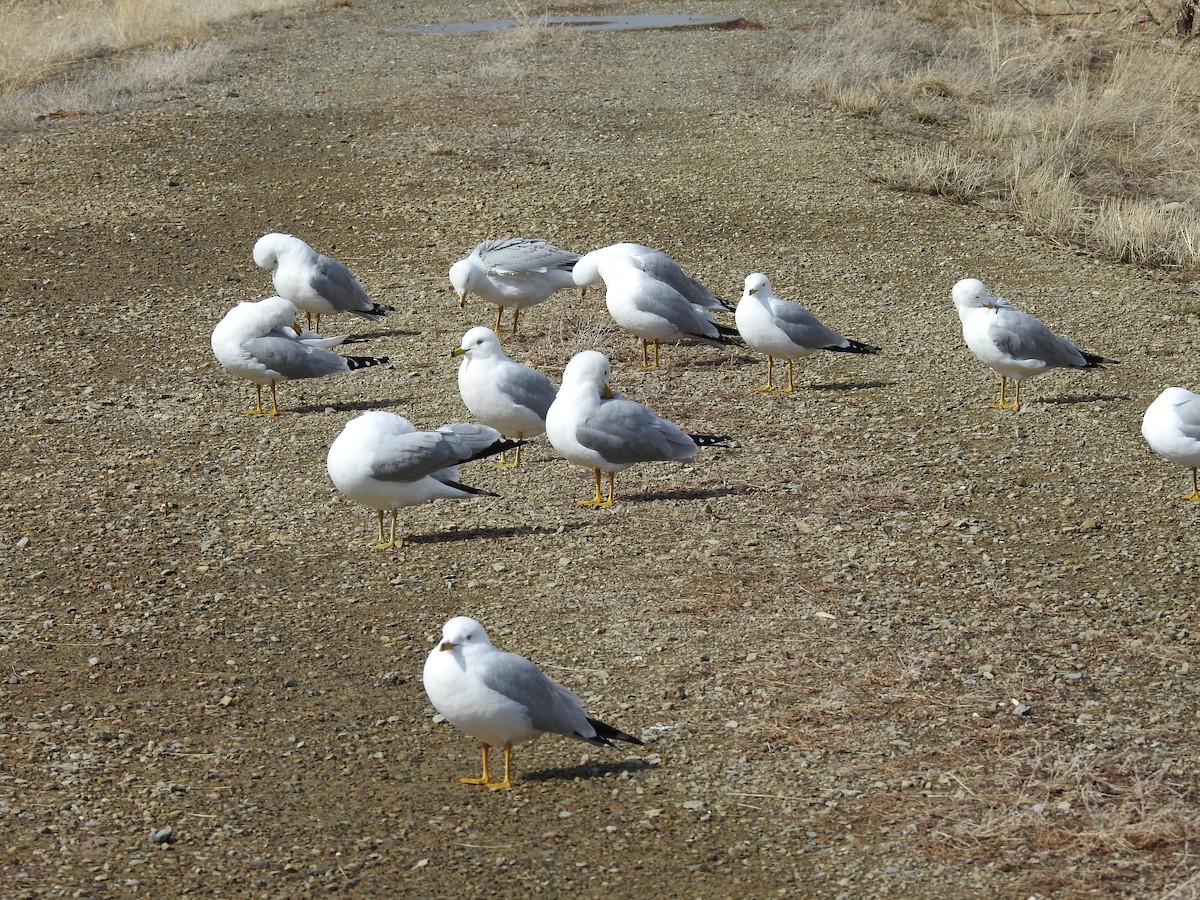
{"x": 163, "y": 836}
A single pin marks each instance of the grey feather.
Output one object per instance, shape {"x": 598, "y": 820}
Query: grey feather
{"x": 625, "y": 432}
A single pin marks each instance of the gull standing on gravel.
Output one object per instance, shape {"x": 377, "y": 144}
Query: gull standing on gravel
{"x": 1171, "y": 426}
{"x": 591, "y": 426}
{"x": 502, "y": 699}
{"x": 380, "y": 460}
{"x": 656, "y": 264}
{"x": 653, "y": 310}
{"x": 261, "y": 342}
{"x": 778, "y": 327}
{"x": 500, "y": 392}
{"x": 514, "y": 272}
{"x": 317, "y": 284}
{"x": 1012, "y": 343}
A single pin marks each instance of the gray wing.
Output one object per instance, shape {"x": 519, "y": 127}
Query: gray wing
{"x": 526, "y": 387}
{"x": 550, "y": 706}
{"x": 661, "y": 299}
{"x": 1189, "y": 418}
{"x": 467, "y": 438}
{"x": 293, "y": 359}
{"x": 335, "y": 283}
{"x": 410, "y": 457}
{"x": 660, "y": 266}
{"x": 515, "y": 255}
{"x": 1021, "y": 336}
{"x": 625, "y": 432}
{"x": 803, "y": 328}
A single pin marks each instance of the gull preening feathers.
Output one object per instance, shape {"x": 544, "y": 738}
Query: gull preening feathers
{"x": 513, "y": 272}
{"x": 656, "y": 264}
{"x": 499, "y": 391}
{"x": 784, "y": 329}
{"x": 653, "y": 310}
{"x": 260, "y": 342}
{"x": 1171, "y": 426}
{"x": 317, "y": 284}
{"x": 381, "y": 461}
{"x": 1013, "y": 343}
{"x": 591, "y": 426}
{"x": 502, "y": 699}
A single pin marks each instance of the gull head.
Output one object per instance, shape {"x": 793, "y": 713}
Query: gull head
{"x": 971, "y": 293}
{"x": 757, "y": 284}
{"x": 463, "y": 631}
{"x": 481, "y": 342}
{"x": 463, "y": 276}
{"x": 589, "y": 370}
{"x": 269, "y": 247}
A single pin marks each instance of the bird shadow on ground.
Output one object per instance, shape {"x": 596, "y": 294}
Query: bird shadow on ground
{"x": 361, "y": 405}
{"x": 374, "y": 335}
{"x": 475, "y": 534}
{"x": 653, "y": 496}
{"x": 1084, "y": 398}
{"x": 851, "y": 385}
{"x": 570, "y": 773}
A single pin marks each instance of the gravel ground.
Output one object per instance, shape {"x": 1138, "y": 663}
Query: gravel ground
{"x": 891, "y": 643}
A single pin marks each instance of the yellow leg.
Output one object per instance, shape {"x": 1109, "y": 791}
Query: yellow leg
{"x": 499, "y": 313}
{"x": 1195, "y": 494}
{"x": 257, "y": 411}
{"x": 516, "y": 461}
{"x": 384, "y": 543}
{"x": 1004, "y": 404}
{"x": 274, "y": 402}
{"x": 487, "y": 775}
{"x": 598, "y": 500}
{"x": 645, "y": 357}
{"x": 516, "y": 315}
{"x": 789, "y": 388}
{"x": 770, "y": 368}
{"x": 507, "y": 782}
{"x": 612, "y": 480}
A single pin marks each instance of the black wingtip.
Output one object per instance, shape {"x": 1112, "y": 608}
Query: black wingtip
{"x": 606, "y": 734}
{"x": 854, "y": 347}
{"x": 1096, "y": 362}
{"x": 710, "y": 440}
{"x": 501, "y": 446}
{"x": 478, "y": 492}
{"x": 363, "y": 362}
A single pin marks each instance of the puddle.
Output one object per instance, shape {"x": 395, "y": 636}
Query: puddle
{"x": 582, "y": 23}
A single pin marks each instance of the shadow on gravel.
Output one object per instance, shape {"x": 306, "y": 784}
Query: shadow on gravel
{"x": 851, "y": 386}
{"x": 1084, "y": 398}
{"x": 361, "y": 405}
{"x": 682, "y": 495}
{"x": 475, "y": 534}
{"x": 570, "y": 773}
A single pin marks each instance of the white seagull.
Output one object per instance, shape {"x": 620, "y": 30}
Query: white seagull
{"x": 591, "y": 426}
{"x": 1171, "y": 426}
{"x": 261, "y": 342}
{"x": 380, "y": 460}
{"x": 513, "y": 272}
{"x": 653, "y": 310}
{"x": 656, "y": 263}
{"x": 778, "y": 327}
{"x": 1012, "y": 343}
{"x": 317, "y": 284}
{"x": 502, "y": 699}
{"x": 500, "y": 392}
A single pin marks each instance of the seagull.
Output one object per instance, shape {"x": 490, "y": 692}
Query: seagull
{"x": 316, "y": 283}
{"x": 591, "y": 426}
{"x": 653, "y": 310}
{"x": 656, "y": 263}
{"x": 1012, "y": 343}
{"x": 778, "y": 327}
{"x": 1171, "y": 426}
{"x": 380, "y": 460}
{"x": 514, "y": 272}
{"x": 500, "y": 392}
{"x": 502, "y": 699}
{"x": 260, "y": 342}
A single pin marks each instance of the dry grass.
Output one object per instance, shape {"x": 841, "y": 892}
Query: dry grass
{"x": 1086, "y": 126}
{"x": 42, "y": 43}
